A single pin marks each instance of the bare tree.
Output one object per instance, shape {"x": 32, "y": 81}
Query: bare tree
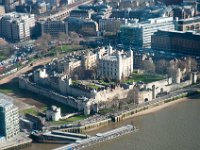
{"x": 148, "y": 66}
{"x": 74, "y": 37}
{"x": 161, "y": 66}
{"x": 194, "y": 64}
{"x": 63, "y": 37}
{"x": 190, "y": 64}
{"x": 132, "y": 95}
{"x": 182, "y": 64}
{"x": 171, "y": 71}
{"x": 42, "y": 43}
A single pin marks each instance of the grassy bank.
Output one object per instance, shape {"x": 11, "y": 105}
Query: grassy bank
{"x": 69, "y": 120}
{"x": 146, "y": 78}
{"x": 67, "y": 48}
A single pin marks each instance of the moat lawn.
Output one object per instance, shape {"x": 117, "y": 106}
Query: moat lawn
{"x": 68, "y": 48}
{"x": 32, "y": 111}
{"x": 146, "y": 78}
{"x": 69, "y": 120}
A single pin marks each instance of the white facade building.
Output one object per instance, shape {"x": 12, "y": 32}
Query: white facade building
{"x": 139, "y": 34}
{"x": 16, "y": 26}
{"x": 115, "y": 65}
{"x": 9, "y": 118}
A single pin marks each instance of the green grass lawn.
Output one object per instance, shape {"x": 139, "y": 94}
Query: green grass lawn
{"x": 93, "y": 86}
{"x": 2, "y": 57}
{"x": 10, "y": 88}
{"x": 68, "y": 48}
{"x": 144, "y": 78}
{"x": 29, "y": 111}
{"x": 105, "y": 83}
{"x": 69, "y": 120}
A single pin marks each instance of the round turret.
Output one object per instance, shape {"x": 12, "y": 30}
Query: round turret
{"x": 87, "y": 108}
{"x": 93, "y": 93}
{"x": 110, "y": 50}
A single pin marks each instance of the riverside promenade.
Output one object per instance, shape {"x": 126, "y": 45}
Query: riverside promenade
{"x": 18, "y": 142}
{"x": 100, "y": 137}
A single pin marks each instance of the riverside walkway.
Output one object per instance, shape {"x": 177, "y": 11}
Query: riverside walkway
{"x": 100, "y": 137}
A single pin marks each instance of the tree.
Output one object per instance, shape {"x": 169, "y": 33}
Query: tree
{"x": 132, "y": 95}
{"x": 42, "y": 43}
{"x": 161, "y": 66}
{"x": 171, "y": 71}
{"x": 190, "y": 64}
{"x": 182, "y": 64}
{"x": 63, "y": 38}
{"x": 74, "y": 37}
{"x": 194, "y": 64}
{"x": 148, "y": 66}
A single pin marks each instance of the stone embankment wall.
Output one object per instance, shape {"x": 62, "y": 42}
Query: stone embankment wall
{"x": 89, "y": 127}
{"x": 131, "y": 112}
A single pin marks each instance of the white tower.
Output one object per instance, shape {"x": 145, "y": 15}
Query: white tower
{"x": 131, "y": 57}
{"x": 119, "y": 59}
{"x": 110, "y": 50}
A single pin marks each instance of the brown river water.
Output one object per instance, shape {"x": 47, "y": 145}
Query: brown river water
{"x": 176, "y": 127}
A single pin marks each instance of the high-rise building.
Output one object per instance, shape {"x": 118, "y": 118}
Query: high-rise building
{"x": 9, "y": 118}
{"x": 171, "y": 2}
{"x": 16, "y": 27}
{"x": 139, "y": 34}
{"x": 176, "y": 42}
{"x": 54, "y": 27}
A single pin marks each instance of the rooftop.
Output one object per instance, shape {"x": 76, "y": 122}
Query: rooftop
{"x": 190, "y": 20}
{"x": 5, "y": 100}
{"x": 173, "y": 32}
{"x": 150, "y": 21}
{"x": 15, "y": 16}
{"x": 110, "y": 58}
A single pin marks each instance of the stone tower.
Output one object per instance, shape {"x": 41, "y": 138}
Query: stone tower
{"x": 119, "y": 60}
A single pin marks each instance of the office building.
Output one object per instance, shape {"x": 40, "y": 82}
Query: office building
{"x": 139, "y": 34}
{"x": 9, "y": 118}
{"x": 54, "y": 27}
{"x": 86, "y": 27}
{"x": 171, "y": 2}
{"x": 16, "y": 27}
{"x": 78, "y": 13}
{"x": 176, "y": 41}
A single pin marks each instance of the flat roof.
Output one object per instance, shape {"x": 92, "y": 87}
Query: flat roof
{"x": 111, "y": 58}
{"x": 186, "y": 35}
{"x": 5, "y": 100}
{"x": 189, "y": 20}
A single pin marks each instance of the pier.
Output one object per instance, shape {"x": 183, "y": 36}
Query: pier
{"x": 56, "y": 136}
{"x": 100, "y": 137}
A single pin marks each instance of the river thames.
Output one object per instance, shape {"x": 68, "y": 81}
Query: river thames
{"x": 176, "y": 127}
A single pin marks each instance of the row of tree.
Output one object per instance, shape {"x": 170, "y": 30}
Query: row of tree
{"x": 162, "y": 66}
{"x": 47, "y": 41}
